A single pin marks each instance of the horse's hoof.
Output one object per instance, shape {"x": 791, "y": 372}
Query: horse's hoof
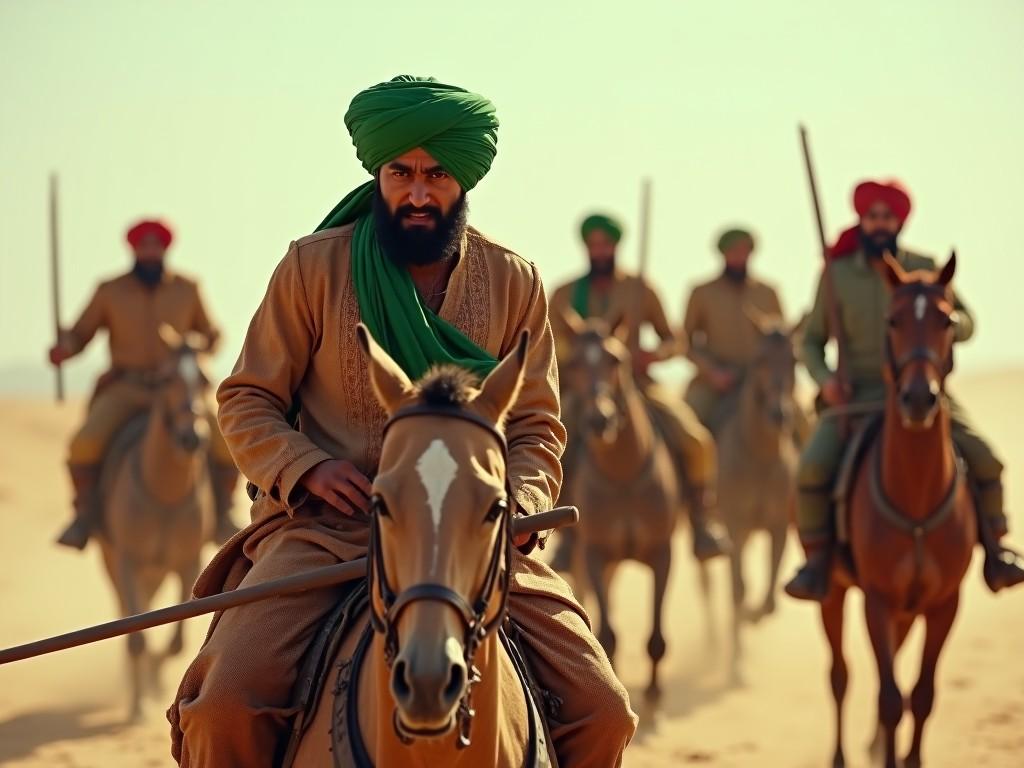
{"x": 912, "y": 761}
{"x": 839, "y": 761}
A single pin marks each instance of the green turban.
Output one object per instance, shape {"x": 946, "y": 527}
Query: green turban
{"x": 731, "y": 237}
{"x": 460, "y": 130}
{"x": 606, "y": 224}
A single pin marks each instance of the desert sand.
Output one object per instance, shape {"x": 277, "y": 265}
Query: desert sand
{"x": 69, "y": 709}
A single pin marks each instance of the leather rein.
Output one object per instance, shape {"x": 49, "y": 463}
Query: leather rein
{"x": 475, "y": 624}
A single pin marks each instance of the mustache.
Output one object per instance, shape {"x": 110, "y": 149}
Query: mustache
{"x": 431, "y": 210}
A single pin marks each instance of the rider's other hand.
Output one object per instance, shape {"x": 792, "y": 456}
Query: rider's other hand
{"x": 340, "y": 484}
{"x": 58, "y": 354}
{"x": 833, "y": 393}
{"x": 722, "y": 379}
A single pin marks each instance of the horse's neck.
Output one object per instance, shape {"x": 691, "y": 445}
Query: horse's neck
{"x": 169, "y": 473}
{"x": 624, "y": 457}
{"x": 490, "y": 725}
{"x": 760, "y": 438}
{"x": 918, "y": 466}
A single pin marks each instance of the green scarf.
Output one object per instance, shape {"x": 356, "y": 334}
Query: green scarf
{"x": 581, "y": 297}
{"x": 459, "y": 130}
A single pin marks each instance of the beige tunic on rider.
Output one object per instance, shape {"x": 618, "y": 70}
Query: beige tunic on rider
{"x": 132, "y": 314}
{"x": 235, "y": 701}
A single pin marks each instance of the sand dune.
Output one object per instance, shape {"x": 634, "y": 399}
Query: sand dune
{"x": 68, "y": 709}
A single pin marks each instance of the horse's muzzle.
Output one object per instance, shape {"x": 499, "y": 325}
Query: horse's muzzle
{"x": 427, "y": 685}
{"x": 919, "y": 402}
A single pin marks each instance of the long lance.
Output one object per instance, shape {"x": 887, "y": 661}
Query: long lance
{"x": 318, "y": 578}
{"x": 643, "y": 248}
{"x": 835, "y": 327}
{"x": 55, "y": 279}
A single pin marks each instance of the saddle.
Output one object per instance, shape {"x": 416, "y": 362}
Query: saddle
{"x": 318, "y": 671}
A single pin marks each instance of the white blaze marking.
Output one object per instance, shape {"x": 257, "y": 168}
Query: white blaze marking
{"x": 437, "y": 469}
{"x": 920, "y": 306}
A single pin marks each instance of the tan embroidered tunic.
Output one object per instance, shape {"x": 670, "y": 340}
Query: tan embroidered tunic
{"x": 301, "y": 344}
{"x": 132, "y": 314}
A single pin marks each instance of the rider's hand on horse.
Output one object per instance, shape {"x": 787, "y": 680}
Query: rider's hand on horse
{"x": 340, "y": 484}
{"x": 833, "y": 393}
{"x": 58, "y": 354}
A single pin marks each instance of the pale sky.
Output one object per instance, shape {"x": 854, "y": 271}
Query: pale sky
{"x": 226, "y": 119}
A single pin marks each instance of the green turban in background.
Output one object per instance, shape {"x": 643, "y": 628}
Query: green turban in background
{"x": 606, "y": 224}
{"x": 460, "y": 130}
{"x": 731, "y": 237}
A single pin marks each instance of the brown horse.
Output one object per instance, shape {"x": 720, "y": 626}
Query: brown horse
{"x": 158, "y": 504}
{"x": 434, "y": 684}
{"x": 624, "y": 479}
{"x": 757, "y": 459}
{"x": 911, "y": 517}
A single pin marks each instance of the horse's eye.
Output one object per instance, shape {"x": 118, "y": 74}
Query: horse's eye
{"x": 893, "y": 322}
{"x": 498, "y": 508}
{"x": 378, "y": 507}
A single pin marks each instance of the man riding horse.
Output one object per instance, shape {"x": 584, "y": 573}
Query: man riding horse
{"x": 862, "y": 295}
{"x": 397, "y": 255}
{"x": 132, "y": 308}
{"x": 626, "y": 302}
{"x": 722, "y": 339}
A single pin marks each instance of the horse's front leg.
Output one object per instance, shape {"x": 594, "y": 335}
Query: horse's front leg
{"x": 661, "y": 565}
{"x": 832, "y": 609}
{"x": 890, "y": 700}
{"x": 187, "y": 577}
{"x": 939, "y": 621}
{"x": 128, "y": 591}
{"x": 778, "y": 547}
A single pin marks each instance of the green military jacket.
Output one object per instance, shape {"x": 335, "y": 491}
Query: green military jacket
{"x": 863, "y": 297}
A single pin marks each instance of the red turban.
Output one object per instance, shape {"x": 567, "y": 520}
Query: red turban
{"x": 865, "y": 195}
{"x": 891, "y": 192}
{"x": 146, "y": 228}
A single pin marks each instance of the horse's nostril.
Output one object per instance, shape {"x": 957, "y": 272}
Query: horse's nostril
{"x": 456, "y": 684}
{"x": 400, "y": 687}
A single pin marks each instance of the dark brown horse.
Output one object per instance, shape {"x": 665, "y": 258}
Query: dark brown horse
{"x": 911, "y": 516}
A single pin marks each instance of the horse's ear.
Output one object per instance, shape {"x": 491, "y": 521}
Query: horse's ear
{"x": 389, "y": 381}
{"x": 499, "y": 391}
{"x": 946, "y": 275}
{"x": 170, "y": 337}
{"x": 195, "y": 341}
{"x": 894, "y": 271}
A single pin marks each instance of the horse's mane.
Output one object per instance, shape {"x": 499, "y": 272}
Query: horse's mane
{"x": 447, "y": 385}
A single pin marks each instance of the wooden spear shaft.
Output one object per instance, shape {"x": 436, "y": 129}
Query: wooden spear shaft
{"x": 319, "y": 578}
{"x": 831, "y": 304}
{"x": 55, "y": 279}
{"x": 643, "y": 248}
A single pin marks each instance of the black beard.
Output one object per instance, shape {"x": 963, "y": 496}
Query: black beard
{"x": 149, "y": 273}
{"x": 418, "y": 246}
{"x": 875, "y": 246}
{"x": 604, "y": 269}
{"x": 735, "y": 274}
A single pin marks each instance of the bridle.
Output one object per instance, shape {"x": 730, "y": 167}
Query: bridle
{"x": 921, "y": 352}
{"x": 473, "y": 614}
